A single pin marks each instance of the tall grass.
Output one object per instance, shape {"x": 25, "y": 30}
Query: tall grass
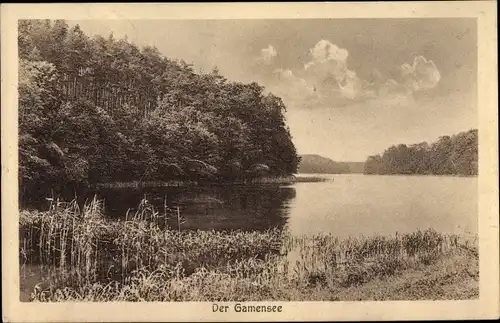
{"x": 85, "y": 256}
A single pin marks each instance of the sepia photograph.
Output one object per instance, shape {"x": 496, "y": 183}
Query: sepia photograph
{"x": 249, "y": 163}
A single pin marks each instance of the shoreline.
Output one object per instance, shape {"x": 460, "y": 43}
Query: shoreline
{"x": 412, "y": 175}
{"x": 288, "y": 180}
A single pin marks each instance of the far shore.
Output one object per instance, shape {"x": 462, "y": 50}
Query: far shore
{"x": 415, "y": 175}
{"x": 283, "y": 180}
{"x": 186, "y": 183}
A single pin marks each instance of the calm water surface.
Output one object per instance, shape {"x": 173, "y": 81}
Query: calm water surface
{"x": 367, "y": 205}
{"x": 352, "y": 204}
{"x": 345, "y": 205}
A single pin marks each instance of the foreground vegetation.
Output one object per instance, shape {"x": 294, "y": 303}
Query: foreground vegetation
{"x": 86, "y": 257}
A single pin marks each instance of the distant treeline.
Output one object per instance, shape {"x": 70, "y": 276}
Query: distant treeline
{"x": 455, "y": 155}
{"x": 316, "y": 164}
{"x": 356, "y": 167}
{"x": 100, "y": 109}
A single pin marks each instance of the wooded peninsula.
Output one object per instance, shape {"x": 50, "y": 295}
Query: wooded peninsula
{"x": 102, "y": 109}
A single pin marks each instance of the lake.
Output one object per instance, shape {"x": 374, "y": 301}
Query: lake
{"x": 357, "y": 204}
{"x": 345, "y": 205}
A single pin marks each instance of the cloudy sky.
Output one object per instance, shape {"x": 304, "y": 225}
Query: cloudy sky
{"x": 352, "y": 87}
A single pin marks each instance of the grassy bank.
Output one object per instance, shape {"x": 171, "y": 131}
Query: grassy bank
{"x": 85, "y": 256}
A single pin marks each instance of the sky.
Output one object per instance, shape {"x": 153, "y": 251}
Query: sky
{"x": 352, "y": 87}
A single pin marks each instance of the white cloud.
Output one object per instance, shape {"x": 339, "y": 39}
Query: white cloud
{"x": 393, "y": 88}
{"x": 325, "y": 51}
{"x": 423, "y": 74}
{"x": 268, "y": 54}
{"x": 327, "y": 59}
{"x": 293, "y": 89}
{"x": 327, "y": 81}
{"x": 329, "y": 73}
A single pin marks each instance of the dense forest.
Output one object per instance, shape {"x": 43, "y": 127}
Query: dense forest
{"x": 315, "y": 164}
{"x": 102, "y": 109}
{"x": 455, "y": 155}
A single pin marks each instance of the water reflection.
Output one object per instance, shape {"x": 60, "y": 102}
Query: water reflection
{"x": 257, "y": 207}
{"x": 351, "y": 205}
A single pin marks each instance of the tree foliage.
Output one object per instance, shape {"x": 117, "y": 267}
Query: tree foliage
{"x": 315, "y": 164}
{"x": 101, "y": 109}
{"x": 455, "y": 155}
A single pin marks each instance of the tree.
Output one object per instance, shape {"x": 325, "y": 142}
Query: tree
{"x": 102, "y": 109}
{"x": 373, "y": 165}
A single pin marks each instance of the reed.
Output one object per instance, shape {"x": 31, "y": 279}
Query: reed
{"x": 86, "y": 256}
